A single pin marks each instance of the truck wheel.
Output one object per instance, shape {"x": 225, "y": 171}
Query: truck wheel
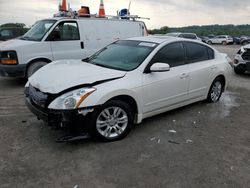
{"x": 112, "y": 121}
{"x": 239, "y": 70}
{"x": 34, "y": 67}
{"x": 215, "y": 90}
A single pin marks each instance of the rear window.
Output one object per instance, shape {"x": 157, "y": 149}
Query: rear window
{"x": 210, "y": 53}
{"x": 197, "y": 52}
{"x": 188, "y": 36}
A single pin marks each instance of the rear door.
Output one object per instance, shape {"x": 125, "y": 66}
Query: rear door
{"x": 200, "y": 65}
{"x": 164, "y": 89}
{"x": 216, "y": 39}
{"x": 65, "y": 41}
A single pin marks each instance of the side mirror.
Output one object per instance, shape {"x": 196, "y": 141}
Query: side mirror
{"x": 160, "y": 67}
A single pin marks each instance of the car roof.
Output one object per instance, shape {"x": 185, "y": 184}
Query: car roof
{"x": 159, "y": 39}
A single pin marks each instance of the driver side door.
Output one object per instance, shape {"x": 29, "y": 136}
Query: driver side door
{"x": 65, "y": 41}
{"x": 162, "y": 90}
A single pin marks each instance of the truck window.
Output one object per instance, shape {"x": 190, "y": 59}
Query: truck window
{"x": 66, "y": 31}
{"x": 39, "y": 30}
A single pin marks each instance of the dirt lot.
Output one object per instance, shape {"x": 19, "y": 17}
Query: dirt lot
{"x": 211, "y": 147}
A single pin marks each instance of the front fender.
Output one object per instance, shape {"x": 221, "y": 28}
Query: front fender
{"x": 99, "y": 98}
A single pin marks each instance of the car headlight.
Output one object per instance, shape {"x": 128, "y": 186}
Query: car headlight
{"x": 8, "y": 58}
{"x": 72, "y": 99}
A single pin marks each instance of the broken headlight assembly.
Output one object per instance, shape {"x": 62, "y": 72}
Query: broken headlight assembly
{"x": 8, "y": 58}
{"x": 71, "y": 100}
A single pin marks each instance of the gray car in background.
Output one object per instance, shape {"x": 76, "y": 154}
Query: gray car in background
{"x": 8, "y": 33}
{"x": 184, "y": 35}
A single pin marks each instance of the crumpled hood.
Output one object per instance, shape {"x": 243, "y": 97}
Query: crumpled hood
{"x": 61, "y": 75}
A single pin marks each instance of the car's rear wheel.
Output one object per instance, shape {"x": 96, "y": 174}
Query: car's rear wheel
{"x": 34, "y": 67}
{"x": 112, "y": 121}
{"x": 224, "y": 42}
{"x": 215, "y": 90}
{"x": 209, "y": 42}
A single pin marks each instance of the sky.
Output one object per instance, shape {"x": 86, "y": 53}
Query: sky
{"x": 172, "y": 13}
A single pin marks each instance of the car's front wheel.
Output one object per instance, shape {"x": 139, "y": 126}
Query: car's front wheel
{"x": 215, "y": 90}
{"x": 112, "y": 121}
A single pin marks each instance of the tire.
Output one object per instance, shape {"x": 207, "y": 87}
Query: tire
{"x": 34, "y": 67}
{"x": 209, "y": 42}
{"x": 215, "y": 90}
{"x": 104, "y": 121}
{"x": 224, "y": 43}
{"x": 239, "y": 70}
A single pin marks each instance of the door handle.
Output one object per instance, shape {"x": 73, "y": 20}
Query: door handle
{"x": 184, "y": 75}
{"x": 82, "y": 45}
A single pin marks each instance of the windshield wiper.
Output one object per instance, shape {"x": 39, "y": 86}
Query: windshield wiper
{"x": 28, "y": 38}
{"x": 109, "y": 67}
{"x": 101, "y": 65}
{"x": 25, "y": 38}
{"x": 86, "y": 59}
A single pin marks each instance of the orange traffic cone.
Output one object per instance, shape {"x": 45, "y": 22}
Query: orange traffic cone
{"x": 101, "y": 10}
{"x": 64, "y": 5}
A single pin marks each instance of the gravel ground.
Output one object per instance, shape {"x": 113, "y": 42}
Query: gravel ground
{"x": 200, "y": 145}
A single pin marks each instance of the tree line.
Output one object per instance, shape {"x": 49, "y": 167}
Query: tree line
{"x": 19, "y": 25}
{"x": 233, "y": 30}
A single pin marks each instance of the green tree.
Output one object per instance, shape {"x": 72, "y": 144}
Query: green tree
{"x": 21, "y": 25}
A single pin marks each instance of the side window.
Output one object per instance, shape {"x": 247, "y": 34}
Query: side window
{"x": 196, "y": 52}
{"x": 210, "y": 53}
{"x": 189, "y": 36}
{"x": 66, "y": 31}
{"x": 173, "y": 54}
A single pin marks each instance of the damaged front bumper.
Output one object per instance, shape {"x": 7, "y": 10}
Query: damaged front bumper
{"x": 38, "y": 102}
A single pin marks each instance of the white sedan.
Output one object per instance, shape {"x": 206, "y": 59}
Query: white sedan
{"x": 126, "y": 82}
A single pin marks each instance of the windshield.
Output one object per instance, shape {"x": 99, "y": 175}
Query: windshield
{"x": 37, "y": 32}
{"x": 123, "y": 55}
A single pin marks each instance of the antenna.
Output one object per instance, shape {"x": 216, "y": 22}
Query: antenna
{"x": 129, "y": 8}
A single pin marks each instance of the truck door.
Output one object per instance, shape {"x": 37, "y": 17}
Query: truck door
{"x": 66, "y": 42}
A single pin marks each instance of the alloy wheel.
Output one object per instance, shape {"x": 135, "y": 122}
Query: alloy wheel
{"x": 216, "y": 91}
{"x": 112, "y": 122}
